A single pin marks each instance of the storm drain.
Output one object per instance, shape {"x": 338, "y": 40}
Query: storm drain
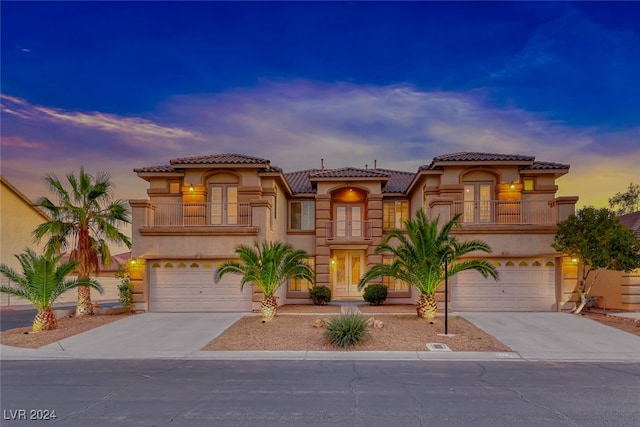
{"x": 436, "y": 346}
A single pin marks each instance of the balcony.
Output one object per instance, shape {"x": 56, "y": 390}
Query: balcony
{"x": 348, "y": 231}
{"x": 504, "y": 212}
{"x": 202, "y": 215}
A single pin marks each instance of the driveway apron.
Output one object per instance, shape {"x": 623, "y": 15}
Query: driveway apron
{"x": 558, "y": 336}
{"x": 147, "y": 335}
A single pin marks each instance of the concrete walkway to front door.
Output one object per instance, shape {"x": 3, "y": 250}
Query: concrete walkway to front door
{"x": 558, "y": 336}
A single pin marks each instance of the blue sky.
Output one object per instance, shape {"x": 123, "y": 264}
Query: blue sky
{"x": 120, "y": 85}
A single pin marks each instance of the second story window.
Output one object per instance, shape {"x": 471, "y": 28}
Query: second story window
{"x": 224, "y": 204}
{"x": 395, "y": 213}
{"x": 302, "y": 215}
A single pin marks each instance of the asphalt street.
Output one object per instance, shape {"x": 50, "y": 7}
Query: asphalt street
{"x": 318, "y": 393}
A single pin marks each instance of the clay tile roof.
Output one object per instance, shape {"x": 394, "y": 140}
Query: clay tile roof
{"x": 631, "y": 221}
{"x": 545, "y": 166}
{"x": 299, "y": 181}
{"x": 399, "y": 181}
{"x": 480, "y": 157}
{"x": 220, "y": 159}
{"x": 164, "y": 168}
{"x": 350, "y": 173}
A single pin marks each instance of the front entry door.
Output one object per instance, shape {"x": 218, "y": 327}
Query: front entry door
{"x": 346, "y": 271}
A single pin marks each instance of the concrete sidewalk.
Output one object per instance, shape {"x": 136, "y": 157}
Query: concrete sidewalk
{"x": 531, "y": 336}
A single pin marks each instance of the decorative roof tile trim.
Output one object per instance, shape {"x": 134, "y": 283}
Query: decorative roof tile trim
{"x": 545, "y": 165}
{"x": 350, "y": 173}
{"x": 164, "y": 168}
{"x": 220, "y": 159}
{"x": 468, "y": 156}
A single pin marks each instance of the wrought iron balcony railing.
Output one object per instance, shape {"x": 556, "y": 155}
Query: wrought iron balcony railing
{"x": 202, "y": 214}
{"x": 348, "y": 231}
{"x": 503, "y": 212}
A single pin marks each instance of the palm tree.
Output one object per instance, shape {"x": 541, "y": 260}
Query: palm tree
{"x": 419, "y": 259}
{"x": 85, "y": 221}
{"x": 267, "y": 266}
{"x": 41, "y": 283}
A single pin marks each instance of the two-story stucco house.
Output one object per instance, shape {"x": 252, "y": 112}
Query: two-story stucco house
{"x": 200, "y": 208}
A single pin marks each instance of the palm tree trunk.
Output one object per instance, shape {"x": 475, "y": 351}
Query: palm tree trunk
{"x": 269, "y": 308}
{"x": 84, "y": 306}
{"x": 45, "y": 320}
{"x": 427, "y": 307}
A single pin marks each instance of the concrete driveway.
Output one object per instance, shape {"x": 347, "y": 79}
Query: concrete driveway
{"x": 147, "y": 335}
{"x": 558, "y": 336}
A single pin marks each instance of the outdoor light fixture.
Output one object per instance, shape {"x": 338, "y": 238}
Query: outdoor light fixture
{"x": 190, "y": 188}
{"x": 513, "y": 185}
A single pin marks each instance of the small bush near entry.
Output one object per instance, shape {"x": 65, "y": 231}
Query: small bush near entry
{"x": 375, "y": 294}
{"x": 346, "y": 330}
{"x": 320, "y": 295}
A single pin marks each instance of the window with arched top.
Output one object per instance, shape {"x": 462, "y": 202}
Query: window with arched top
{"x": 194, "y": 265}
{"x": 168, "y": 265}
{"x": 536, "y": 264}
{"x": 155, "y": 265}
{"x": 182, "y": 265}
{"x": 509, "y": 264}
{"x": 550, "y": 264}
{"x": 523, "y": 264}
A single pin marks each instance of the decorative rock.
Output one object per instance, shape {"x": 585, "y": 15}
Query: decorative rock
{"x": 370, "y": 322}
{"x": 319, "y": 323}
{"x": 378, "y": 324}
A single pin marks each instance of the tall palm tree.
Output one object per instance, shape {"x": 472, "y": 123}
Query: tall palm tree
{"x": 41, "y": 283}
{"x": 85, "y": 220}
{"x": 419, "y": 259}
{"x": 267, "y": 265}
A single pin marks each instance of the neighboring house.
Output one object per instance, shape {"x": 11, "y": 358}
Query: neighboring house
{"x": 18, "y": 219}
{"x": 200, "y": 208}
{"x": 616, "y": 289}
{"x": 106, "y": 277}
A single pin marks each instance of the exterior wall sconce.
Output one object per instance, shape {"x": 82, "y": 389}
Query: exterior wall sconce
{"x": 512, "y": 186}
{"x": 191, "y": 190}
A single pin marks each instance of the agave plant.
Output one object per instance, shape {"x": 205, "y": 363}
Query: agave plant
{"x": 41, "y": 283}
{"x": 267, "y": 265}
{"x": 419, "y": 259}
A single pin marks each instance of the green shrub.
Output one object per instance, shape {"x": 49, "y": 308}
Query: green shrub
{"x": 346, "y": 330}
{"x": 375, "y": 294}
{"x": 125, "y": 295}
{"x": 320, "y": 295}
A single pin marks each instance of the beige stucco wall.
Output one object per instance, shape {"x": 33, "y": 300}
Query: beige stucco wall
{"x": 17, "y": 221}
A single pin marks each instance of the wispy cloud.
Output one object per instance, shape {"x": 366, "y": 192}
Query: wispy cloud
{"x": 134, "y": 127}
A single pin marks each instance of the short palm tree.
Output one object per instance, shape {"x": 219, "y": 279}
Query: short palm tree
{"x": 41, "y": 283}
{"x": 419, "y": 259}
{"x": 85, "y": 220}
{"x": 267, "y": 265}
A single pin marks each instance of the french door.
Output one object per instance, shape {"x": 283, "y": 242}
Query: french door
{"x": 224, "y": 204}
{"x": 477, "y": 203}
{"x": 346, "y": 270}
{"x": 348, "y": 220}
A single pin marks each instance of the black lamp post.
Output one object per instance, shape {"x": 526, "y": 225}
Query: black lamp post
{"x": 446, "y": 294}
{"x": 446, "y": 289}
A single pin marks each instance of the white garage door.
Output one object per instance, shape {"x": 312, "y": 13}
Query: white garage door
{"x": 524, "y": 285}
{"x": 188, "y": 286}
